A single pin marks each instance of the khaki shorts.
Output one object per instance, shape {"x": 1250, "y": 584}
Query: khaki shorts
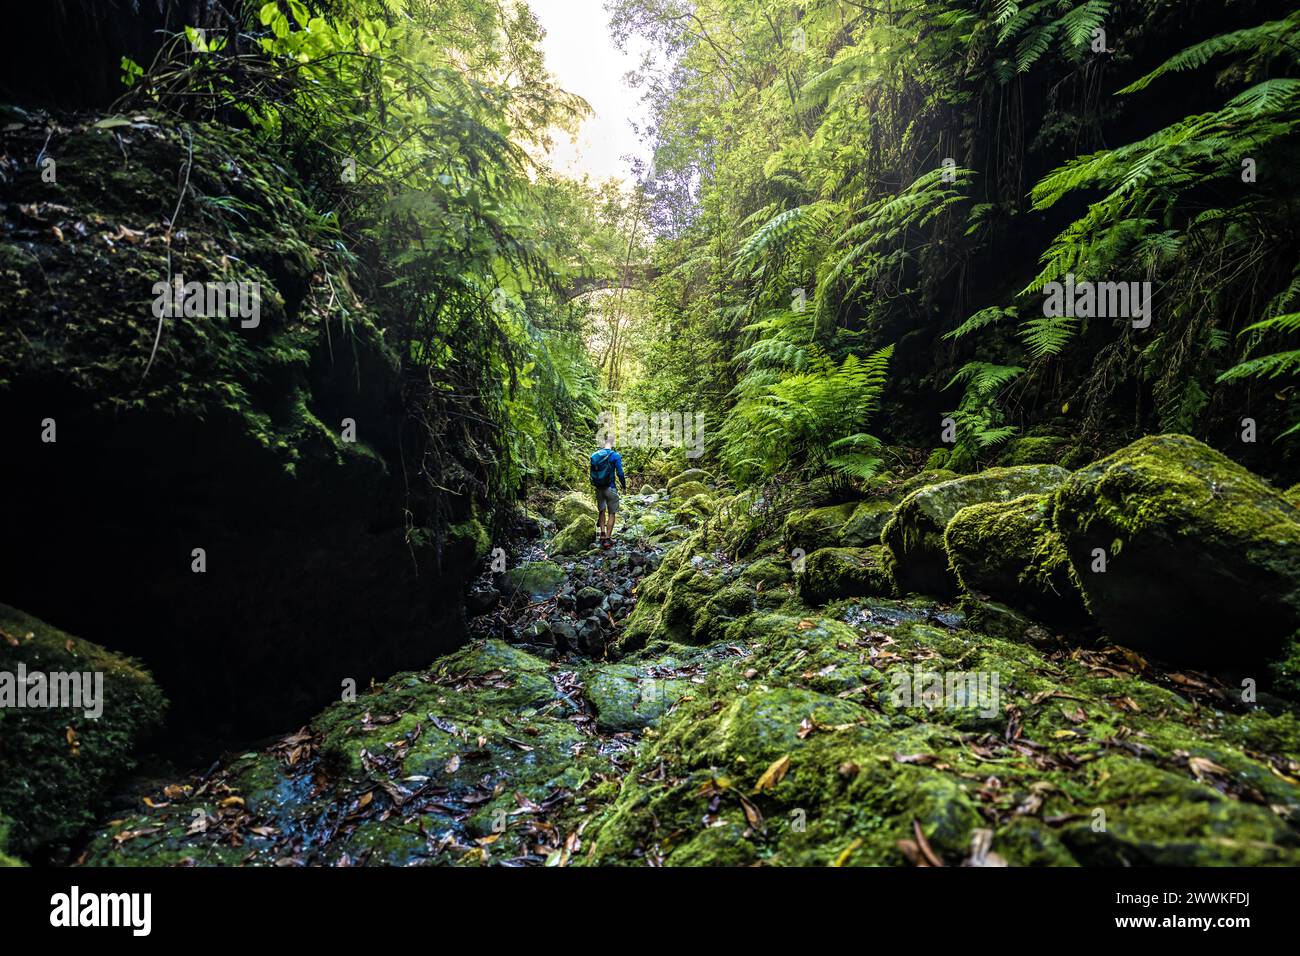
{"x": 607, "y": 500}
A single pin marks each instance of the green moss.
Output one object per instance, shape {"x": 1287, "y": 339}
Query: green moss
{"x": 1035, "y": 450}
{"x": 573, "y": 506}
{"x": 577, "y": 537}
{"x": 914, "y": 535}
{"x": 536, "y": 579}
{"x": 57, "y": 764}
{"x": 817, "y": 527}
{"x": 1196, "y": 547}
{"x": 690, "y": 475}
{"x": 1010, "y": 551}
{"x": 866, "y": 524}
{"x": 471, "y": 535}
{"x": 689, "y": 489}
{"x": 833, "y": 573}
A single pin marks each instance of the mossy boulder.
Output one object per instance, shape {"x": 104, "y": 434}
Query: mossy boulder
{"x": 577, "y": 537}
{"x": 536, "y": 580}
{"x": 833, "y": 573}
{"x": 1035, "y": 450}
{"x": 1009, "y": 550}
{"x": 1202, "y": 557}
{"x": 695, "y": 475}
{"x": 57, "y": 763}
{"x": 630, "y": 697}
{"x": 689, "y": 489}
{"x": 930, "y": 476}
{"x": 914, "y": 535}
{"x": 866, "y": 523}
{"x": 573, "y": 506}
{"x": 768, "y": 572}
{"x": 1292, "y": 495}
{"x": 815, "y": 528}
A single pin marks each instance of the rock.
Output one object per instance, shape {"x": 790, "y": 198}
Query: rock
{"x": 565, "y": 634}
{"x": 539, "y": 632}
{"x": 537, "y": 580}
{"x": 57, "y": 765}
{"x": 626, "y": 698}
{"x": 578, "y": 537}
{"x": 866, "y": 523}
{"x": 921, "y": 479}
{"x": 1009, "y": 551}
{"x": 589, "y": 598}
{"x": 689, "y": 489}
{"x": 816, "y": 527}
{"x": 833, "y": 573}
{"x": 689, "y": 475}
{"x": 1202, "y": 556}
{"x": 770, "y": 572}
{"x": 1035, "y": 450}
{"x": 572, "y": 506}
{"x": 481, "y": 600}
{"x": 914, "y": 535}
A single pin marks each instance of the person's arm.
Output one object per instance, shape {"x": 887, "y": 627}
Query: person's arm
{"x": 618, "y": 466}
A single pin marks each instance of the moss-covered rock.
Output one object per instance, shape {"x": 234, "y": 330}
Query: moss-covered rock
{"x": 1035, "y": 450}
{"x": 866, "y": 523}
{"x": 5, "y": 859}
{"x": 1196, "y": 548}
{"x": 690, "y": 475}
{"x": 577, "y": 537}
{"x": 537, "y": 580}
{"x": 57, "y": 763}
{"x": 630, "y": 697}
{"x": 914, "y": 535}
{"x": 689, "y": 489}
{"x": 816, "y": 527}
{"x": 930, "y": 476}
{"x": 1010, "y": 551}
{"x": 573, "y": 506}
{"x": 833, "y": 573}
{"x": 1292, "y": 495}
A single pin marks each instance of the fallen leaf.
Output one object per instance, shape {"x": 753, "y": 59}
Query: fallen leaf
{"x": 773, "y": 774}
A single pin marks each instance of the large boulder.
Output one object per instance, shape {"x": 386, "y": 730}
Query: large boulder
{"x": 1009, "y": 550}
{"x": 573, "y": 506}
{"x": 1201, "y": 557}
{"x": 688, "y": 489}
{"x": 833, "y": 573}
{"x": 866, "y": 523}
{"x": 576, "y": 538}
{"x": 914, "y": 535}
{"x": 817, "y": 527}
{"x": 689, "y": 475}
{"x": 59, "y": 755}
{"x": 536, "y": 580}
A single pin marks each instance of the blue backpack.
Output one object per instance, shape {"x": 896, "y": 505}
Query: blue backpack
{"x": 602, "y": 468}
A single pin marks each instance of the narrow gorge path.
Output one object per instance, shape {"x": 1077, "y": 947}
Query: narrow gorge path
{"x": 739, "y": 681}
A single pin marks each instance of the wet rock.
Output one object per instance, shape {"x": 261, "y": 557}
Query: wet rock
{"x": 566, "y": 636}
{"x": 1202, "y": 557}
{"x": 481, "y": 600}
{"x": 627, "y": 697}
{"x": 1011, "y": 552}
{"x": 914, "y": 535}
{"x": 536, "y": 580}
{"x": 589, "y": 598}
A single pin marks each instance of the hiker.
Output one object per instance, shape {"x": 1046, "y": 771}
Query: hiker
{"x": 605, "y": 465}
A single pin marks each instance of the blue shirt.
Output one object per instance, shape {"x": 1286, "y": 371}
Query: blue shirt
{"x": 617, "y": 459}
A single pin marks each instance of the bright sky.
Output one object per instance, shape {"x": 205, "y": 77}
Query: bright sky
{"x": 581, "y": 54}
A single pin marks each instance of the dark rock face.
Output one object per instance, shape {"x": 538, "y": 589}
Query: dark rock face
{"x": 233, "y": 442}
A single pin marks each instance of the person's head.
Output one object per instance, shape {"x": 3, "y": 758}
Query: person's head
{"x": 609, "y": 442}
